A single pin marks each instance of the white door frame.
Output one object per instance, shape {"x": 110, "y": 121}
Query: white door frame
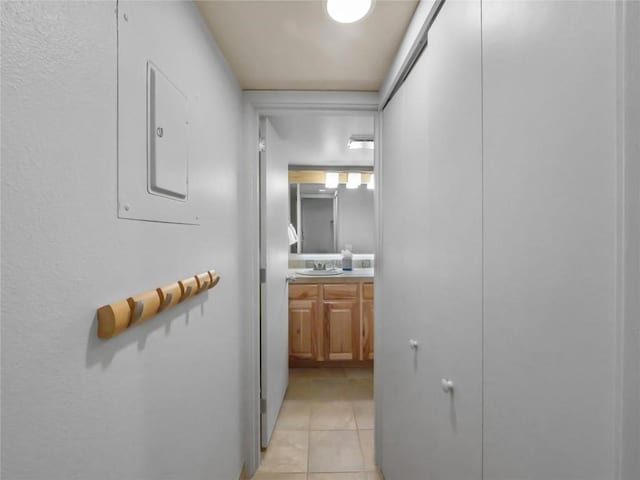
{"x": 257, "y": 104}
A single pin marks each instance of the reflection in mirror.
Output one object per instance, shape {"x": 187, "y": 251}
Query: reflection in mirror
{"x": 328, "y": 220}
{"x": 318, "y": 212}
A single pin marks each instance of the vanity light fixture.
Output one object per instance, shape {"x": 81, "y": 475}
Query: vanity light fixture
{"x": 371, "y": 185}
{"x": 354, "y": 179}
{"x": 359, "y": 142}
{"x": 331, "y": 179}
{"x": 348, "y": 11}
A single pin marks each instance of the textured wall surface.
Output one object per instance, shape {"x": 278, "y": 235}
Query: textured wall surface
{"x": 161, "y": 401}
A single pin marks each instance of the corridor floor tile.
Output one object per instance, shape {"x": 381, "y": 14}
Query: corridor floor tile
{"x": 295, "y": 373}
{"x": 279, "y": 476}
{"x": 294, "y": 415}
{"x": 287, "y": 452}
{"x": 337, "y": 476}
{"x": 335, "y": 451}
{"x": 359, "y": 389}
{"x": 359, "y": 373}
{"x": 332, "y": 416}
{"x": 324, "y": 430}
{"x": 319, "y": 389}
{"x": 367, "y": 443}
{"x": 365, "y": 413}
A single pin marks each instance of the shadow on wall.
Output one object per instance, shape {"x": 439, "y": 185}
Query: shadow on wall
{"x": 103, "y": 352}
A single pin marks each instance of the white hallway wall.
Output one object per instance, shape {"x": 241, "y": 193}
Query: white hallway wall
{"x": 163, "y": 400}
{"x": 631, "y": 150}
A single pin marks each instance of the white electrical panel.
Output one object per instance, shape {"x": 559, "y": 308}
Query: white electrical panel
{"x": 167, "y": 146}
{"x": 156, "y": 163}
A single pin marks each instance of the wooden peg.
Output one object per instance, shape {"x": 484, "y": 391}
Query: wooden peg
{"x": 113, "y": 318}
{"x": 144, "y": 306}
{"x": 215, "y": 278}
{"x": 203, "y": 281}
{"x": 189, "y": 287}
{"x": 169, "y": 295}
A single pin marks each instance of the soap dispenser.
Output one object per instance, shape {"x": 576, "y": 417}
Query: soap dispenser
{"x": 347, "y": 259}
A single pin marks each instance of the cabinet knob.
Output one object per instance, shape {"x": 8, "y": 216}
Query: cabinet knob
{"x": 413, "y": 344}
{"x": 447, "y": 385}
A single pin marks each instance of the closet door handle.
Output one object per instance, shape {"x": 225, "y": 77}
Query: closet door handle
{"x": 447, "y": 385}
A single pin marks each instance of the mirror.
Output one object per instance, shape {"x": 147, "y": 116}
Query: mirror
{"x": 327, "y": 220}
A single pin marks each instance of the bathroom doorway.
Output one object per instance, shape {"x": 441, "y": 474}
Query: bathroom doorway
{"x": 339, "y": 381}
{"x": 317, "y": 333}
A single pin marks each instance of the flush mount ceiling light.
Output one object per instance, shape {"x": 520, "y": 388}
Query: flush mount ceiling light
{"x": 348, "y": 11}
{"x": 354, "y": 179}
{"x": 357, "y": 142}
{"x": 331, "y": 179}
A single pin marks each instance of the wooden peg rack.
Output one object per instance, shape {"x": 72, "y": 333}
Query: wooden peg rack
{"x": 116, "y": 317}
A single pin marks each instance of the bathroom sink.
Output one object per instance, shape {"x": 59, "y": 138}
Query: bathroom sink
{"x": 319, "y": 273}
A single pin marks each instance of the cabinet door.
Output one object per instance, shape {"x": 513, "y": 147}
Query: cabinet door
{"x": 303, "y": 292}
{"x": 341, "y": 329}
{"x": 302, "y": 318}
{"x": 367, "y": 329}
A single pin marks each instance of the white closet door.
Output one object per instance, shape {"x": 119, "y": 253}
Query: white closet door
{"x": 431, "y": 254}
{"x": 550, "y": 239}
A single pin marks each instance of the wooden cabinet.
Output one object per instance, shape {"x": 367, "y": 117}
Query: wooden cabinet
{"x": 303, "y": 322}
{"x": 341, "y": 329}
{"x": 302, "y": 319}
{"x": 341, "y": 291}
{"x": 330, "y": 323}
{"x": 341, "y": 321}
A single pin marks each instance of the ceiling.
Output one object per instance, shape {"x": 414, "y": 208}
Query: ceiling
{"x": 321, "y": 140}
{"x": 294, "y": 45}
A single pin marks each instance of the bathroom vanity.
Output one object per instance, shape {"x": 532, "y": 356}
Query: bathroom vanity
{"x": 331, "y": 319}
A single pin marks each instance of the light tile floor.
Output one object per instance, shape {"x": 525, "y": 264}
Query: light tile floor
{"x": 325, "y": 428}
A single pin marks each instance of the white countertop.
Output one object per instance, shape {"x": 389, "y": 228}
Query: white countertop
{"x": 355, "y": 273}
